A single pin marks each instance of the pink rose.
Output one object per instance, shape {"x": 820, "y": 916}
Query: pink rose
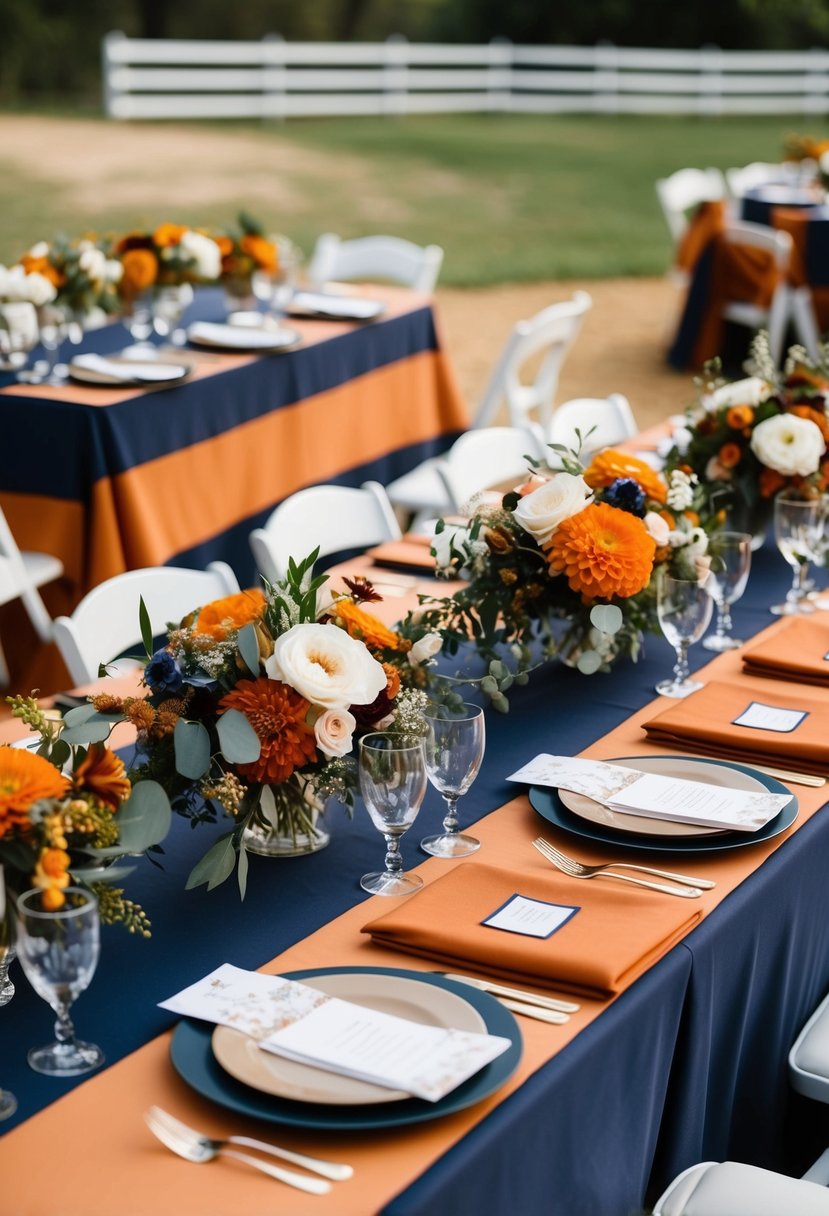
{"x": 333, "y": 730}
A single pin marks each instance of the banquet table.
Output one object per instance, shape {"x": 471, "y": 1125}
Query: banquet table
{"x": 688, "y": 1063}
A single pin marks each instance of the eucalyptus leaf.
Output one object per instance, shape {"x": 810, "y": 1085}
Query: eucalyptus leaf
{"x": 589, "y": 662}
{"x": 94, "y": 729}
{"x": 61, "y": 752}
{"x": 238, "y": 740}
{"x": 242, "y": 871}
{"x": 248, "y": 644}
{"x": 101, "y": 873}
{"x": 81, "y": 713}
{"x": 146, "y": 627}
{"x": 192, "y": 749}
{"x": 144, "y": 819}
{"x": 607, "y": 617}
{"x": 216, "y": 865}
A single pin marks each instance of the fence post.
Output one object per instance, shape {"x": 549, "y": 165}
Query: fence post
{"x": 395, "y": 75}
{"x": 499, "y": 82}
{"x": 606, "y": 97}
{"x": 108, "y": 65}
{"x": 274, "y": 77}
{"x": 710, "y": 100}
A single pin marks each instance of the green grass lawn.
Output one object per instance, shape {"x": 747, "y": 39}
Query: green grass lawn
{"x": 510, "y": 198}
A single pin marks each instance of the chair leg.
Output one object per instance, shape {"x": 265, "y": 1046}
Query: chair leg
{"x": 4, "y": 670}
{"x": 819, "y": 1172}
{"x": 38, "y": 613}
{"x": 778, "y": 320}
{"x": 805, "y": 321}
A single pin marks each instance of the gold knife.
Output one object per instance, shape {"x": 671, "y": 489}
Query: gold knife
{"x": 515, "y": 994}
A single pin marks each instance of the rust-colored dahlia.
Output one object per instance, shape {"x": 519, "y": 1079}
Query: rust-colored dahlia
{"x": 262, "y": 251}
{"x": 25, "y": 779}
{"x": 607, "y": 466}
{"x": 603, "y": 552}
{"x": 102, "y": 774}
{"x": 221, "y": 617}
{"x": 278, "y": 715}
{"x": 140, "y": 271}
{"x": 365, "y": 627}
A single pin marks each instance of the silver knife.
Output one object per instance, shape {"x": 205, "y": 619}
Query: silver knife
{"x": 515, "y": 994}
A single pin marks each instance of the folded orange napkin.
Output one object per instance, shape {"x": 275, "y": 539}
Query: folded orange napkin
{"x": 704, "y": 723}
{"x": 798, "y": 650}
{"x": 616, "y": 933}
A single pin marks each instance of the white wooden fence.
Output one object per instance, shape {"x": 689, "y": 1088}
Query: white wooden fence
{"x": 145, "y": 78}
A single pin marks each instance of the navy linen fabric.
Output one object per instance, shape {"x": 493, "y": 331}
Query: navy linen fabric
{"x": 687, "y": 1065}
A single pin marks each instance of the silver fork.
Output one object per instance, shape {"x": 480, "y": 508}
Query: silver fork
{"x": 576, "y": 869}
{"x": 200, "y": 1149}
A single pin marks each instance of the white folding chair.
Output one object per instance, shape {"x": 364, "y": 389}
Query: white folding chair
{"x": 21, "y": 573}
{"x": 525, "y": 378}
{"x": 775, "y": 318}
{"x": 330, "y": 517}
{"x": 106, "y": 621}
{"x": 729, "y": 1188}
{"x": 601, "y": 421}
{"x": 484, "y": 458}
{"x": 683, "y": 191}
{"x": 388, "y": 258}
{"x": 758, "y": 173}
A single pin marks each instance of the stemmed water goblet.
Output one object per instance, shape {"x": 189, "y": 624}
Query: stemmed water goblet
{"x": 392, "y": 774}
{"x": 455, "y": 741}
{"x": 57, "y": 324}
{"x": 8, "y": 1102}
{"x": 58, "y": 951}
{"x": 169, "y": 304}
{"x": 275, "y": 288}
{"x": 798, "y": 528}
{"x": 730, "y": 554}
{"x": 684, "y": 607}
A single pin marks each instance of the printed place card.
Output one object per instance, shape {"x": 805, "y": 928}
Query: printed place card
{"x": 298, "y": 1022}
{"x": 530, "y": 917}
{"x": 593, "y": 778}
{"x": 659, "y": 797}
{"x": 771, "y": 717}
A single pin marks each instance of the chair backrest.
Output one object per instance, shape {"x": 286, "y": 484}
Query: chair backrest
{"x": 759, "y": 236}
{"x": 485, "y": 457}
{"x": 602, "y": 421}
{"x": 758, "y": 173}
{"x": 14, "y": 580}
{"x": 684, "y": 190}
{"x": 388, "y": 258}
{"x": 330, "y": 517}
{"x": 106, "y": 621}
{"x": 547, "y": 337}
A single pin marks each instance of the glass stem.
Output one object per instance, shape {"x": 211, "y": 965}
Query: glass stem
{"x": 451, "y": 823}
{"x": 681, "y": 668}
{"x": 798, "y": 588}
{"x": 64, "y": 1030}
{"x": 723, "y": 619}
{"x": 394, "y": 862}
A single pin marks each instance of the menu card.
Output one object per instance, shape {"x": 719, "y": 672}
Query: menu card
{"x": 655, "y": 795}
{"x": 300, "y": 1023}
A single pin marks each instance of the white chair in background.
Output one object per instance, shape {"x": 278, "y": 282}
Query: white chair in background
{"x": 602, "y": 422}
{"x": 484, "y": 458}
{"x": 525, "y": 379}
{"x": 775, "y": 318}
{"x": 106, "y": 621}
{"x": 331, "y": 518}
{"x": 21, "y": 574}
{"x": 683, "y": 191}
{"x": 389, "y": 258}
{"x": 728, "y": 1188}
{"x": 758, "y": 173}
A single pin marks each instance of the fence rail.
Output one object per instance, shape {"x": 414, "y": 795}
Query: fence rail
{"x": 147, "y": 78}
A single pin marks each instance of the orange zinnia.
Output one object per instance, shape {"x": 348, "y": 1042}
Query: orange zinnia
{"x": 607, "y": 466}
{"x": 25, "y": 779}
{"x": 603, "y": 552}
{"x": 366, "y": 628}
{"x": 262, "y": 251}
{"x": 102, "y": 774}
{"x": 277, "y": 713}
{"x": 140, "y": 271}
{"x": 221, "y": 617}
{"x": 167, "y": 235}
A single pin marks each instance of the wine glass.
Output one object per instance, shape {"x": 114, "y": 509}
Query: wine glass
{"x": 276, "y": 288}
{"x": 393, "y": 783}
{"x": 798, "y": 526}
{"x": 18, "y": 334}
{"x": 169, "y": 304}
{"x": 684, "y": 608}
{"x": 8, "y": 1102}
{"x": 57, "y": 324}
{"x": 455, "y": 740}
{"x": 58, "y": 951}
{"x": 137, "y": 315}
{"x": 730, "y": 554}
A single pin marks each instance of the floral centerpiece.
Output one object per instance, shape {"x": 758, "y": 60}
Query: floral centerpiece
{"x": 567, "y": 563}
{"x": 68, "y": 814}
{"x": 749, "y": 439}
{"x": 82, "y": 274}
{"x": 169, "y": 256}
{"x": 245, "y": 250}
{"x": 252, "y": 709}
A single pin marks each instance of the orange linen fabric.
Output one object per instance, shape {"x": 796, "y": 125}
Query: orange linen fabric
{"x": 738, "y": 273}
{"x": 707, "y": 222}
{"x": 798, "y": 652}
{"x": 110, "y": 1163}
{"x": 704, "y": 722}
{"x": 413, "y": 552}
{"x": 612, "y": 938}
{"x": 795, "y": 221}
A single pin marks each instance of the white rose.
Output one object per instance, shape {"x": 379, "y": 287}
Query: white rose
{"x": 333, "y": 730}
{"x": 790, "y": 445}
{"x": 326, "y": 666}
{"x": 113, "y": 270}
{"x": 425, "y": 648}
{"x": 39, "y": 290}
{"x": 204, "y": 252}
{"x": 40, "y": 250}
{"x": 658, "y": 528}
{"x": 542, "y": 510}
{"x": 93, "y": 263}
{"x": 750, "y": 391}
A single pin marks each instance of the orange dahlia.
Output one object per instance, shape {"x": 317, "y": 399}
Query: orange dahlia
{"x": 366, "y": 628}
{"x": 221, "y": 617}
{"x": 278, "y": 715}
{"x": 25, "y": 779}
{"x": 166, "y": 235}
{"x": 140, "y": 271}
{"x": 603, "y": 552}
{"x": 262, "y": 251}
{"x": 607, "y": 466}
{"x": 102, "y": 774}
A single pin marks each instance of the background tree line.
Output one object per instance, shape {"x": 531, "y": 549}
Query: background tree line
{"x": 50, "y": 49}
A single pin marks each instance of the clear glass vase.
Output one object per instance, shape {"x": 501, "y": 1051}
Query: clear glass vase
{"x": 285, "y": 821}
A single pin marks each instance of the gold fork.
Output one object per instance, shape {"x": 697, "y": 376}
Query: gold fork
{"x": 691, "y": 888}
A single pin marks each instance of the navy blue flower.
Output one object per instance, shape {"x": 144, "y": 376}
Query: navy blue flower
{"x": 627, "y": 495}
{"x": 162, "y": 673}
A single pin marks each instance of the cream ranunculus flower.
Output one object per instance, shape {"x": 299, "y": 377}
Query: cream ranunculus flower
{"x": 790, "y": 445}
{"x": 326, "y": 666}
{"x": 657, "y": 527}
{"x": 424, "y": 648}
{"x": 334, "y": 729}
{"x": 541, "y": 511}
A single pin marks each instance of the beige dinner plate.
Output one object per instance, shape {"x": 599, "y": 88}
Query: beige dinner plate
{"x": 245, "y": 337}
{"x": 240, "y": 1056}
{"x": 130, "y": 373}
{"x": 668, "y": 766}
